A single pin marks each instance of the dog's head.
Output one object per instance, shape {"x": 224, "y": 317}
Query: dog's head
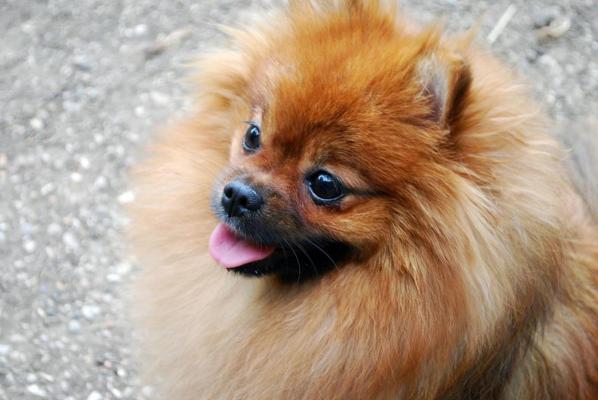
{"x": 342, "y": 124}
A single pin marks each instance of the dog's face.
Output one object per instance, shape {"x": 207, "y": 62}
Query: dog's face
{"x": 328, "y": 155}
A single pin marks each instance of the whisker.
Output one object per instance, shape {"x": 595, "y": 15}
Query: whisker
{"x": 314, "y": 266}
{"x": 296, "y": 258}
{"x": 323, "y": 252}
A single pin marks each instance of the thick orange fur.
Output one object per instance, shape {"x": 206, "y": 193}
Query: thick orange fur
{"x": 477, "y": 277}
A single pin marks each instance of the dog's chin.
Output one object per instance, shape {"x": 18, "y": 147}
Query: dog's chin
{"x": 296, "y": 260}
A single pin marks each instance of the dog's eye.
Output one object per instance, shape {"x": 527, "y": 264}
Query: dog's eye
{"x": 324, "y": 188}
{"x": 251, "y": 142}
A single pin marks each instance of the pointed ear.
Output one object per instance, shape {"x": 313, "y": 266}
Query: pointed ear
{"x": 445, "y": 83}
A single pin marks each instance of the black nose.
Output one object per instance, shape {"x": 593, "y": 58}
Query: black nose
{"x": 238, "y": 198}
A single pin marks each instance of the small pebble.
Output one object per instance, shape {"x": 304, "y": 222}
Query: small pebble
{"x": 84, "y": 162}
{"x": 116, "y": 393}
{"x": 36, "y": 390}
{"x": 54, "y": 229}
{"x": 29, "y": 246}
{"x": 82, "y": 63}
{"x": 37, "y": 124}
{"x": 47, "y": 189}
{"x": 74, "y": 326}
{"x": 70, "y": 241}
{"x": 100, "y": 182}
{"x": 126, "y": 197}
{"x": 4, "y": 349}
{"x": 95, "y": 396}
{"x": 159, "y": 98}
{"x": 557, "y": 28}
{"x": 140, "y": 29}
{"x": 90, "y": 311}
{"x": 76, "y": 177}
{"x": 124, "y": 268}
{"x": 46, "y": 377}
{"x": 545, "y": 16}
{"x": 169, "y": 41}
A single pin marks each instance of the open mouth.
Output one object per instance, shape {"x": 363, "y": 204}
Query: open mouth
{"x": 291, "y": 260}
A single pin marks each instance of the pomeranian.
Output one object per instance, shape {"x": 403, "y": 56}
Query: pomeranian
{"x": 361, "y": 209}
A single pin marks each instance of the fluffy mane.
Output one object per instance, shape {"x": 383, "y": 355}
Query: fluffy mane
{"x": 485, "y": 284}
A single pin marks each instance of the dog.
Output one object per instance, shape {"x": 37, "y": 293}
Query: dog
{"x": 363, "y": 209}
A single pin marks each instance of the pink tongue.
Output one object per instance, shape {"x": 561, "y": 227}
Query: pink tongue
{"x": 231, "y": 251}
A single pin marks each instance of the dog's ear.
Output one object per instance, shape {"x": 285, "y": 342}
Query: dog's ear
{"x": 445, "y": 83}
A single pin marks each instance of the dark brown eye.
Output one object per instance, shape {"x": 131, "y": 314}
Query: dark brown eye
{"x": 251, "y": 142}
{"x": 325, "y": 188}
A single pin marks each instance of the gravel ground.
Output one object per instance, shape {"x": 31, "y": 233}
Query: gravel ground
{"x": 83, "y": 84}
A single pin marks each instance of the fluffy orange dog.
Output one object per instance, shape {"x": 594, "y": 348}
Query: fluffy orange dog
{"x": 362, "y": 210}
